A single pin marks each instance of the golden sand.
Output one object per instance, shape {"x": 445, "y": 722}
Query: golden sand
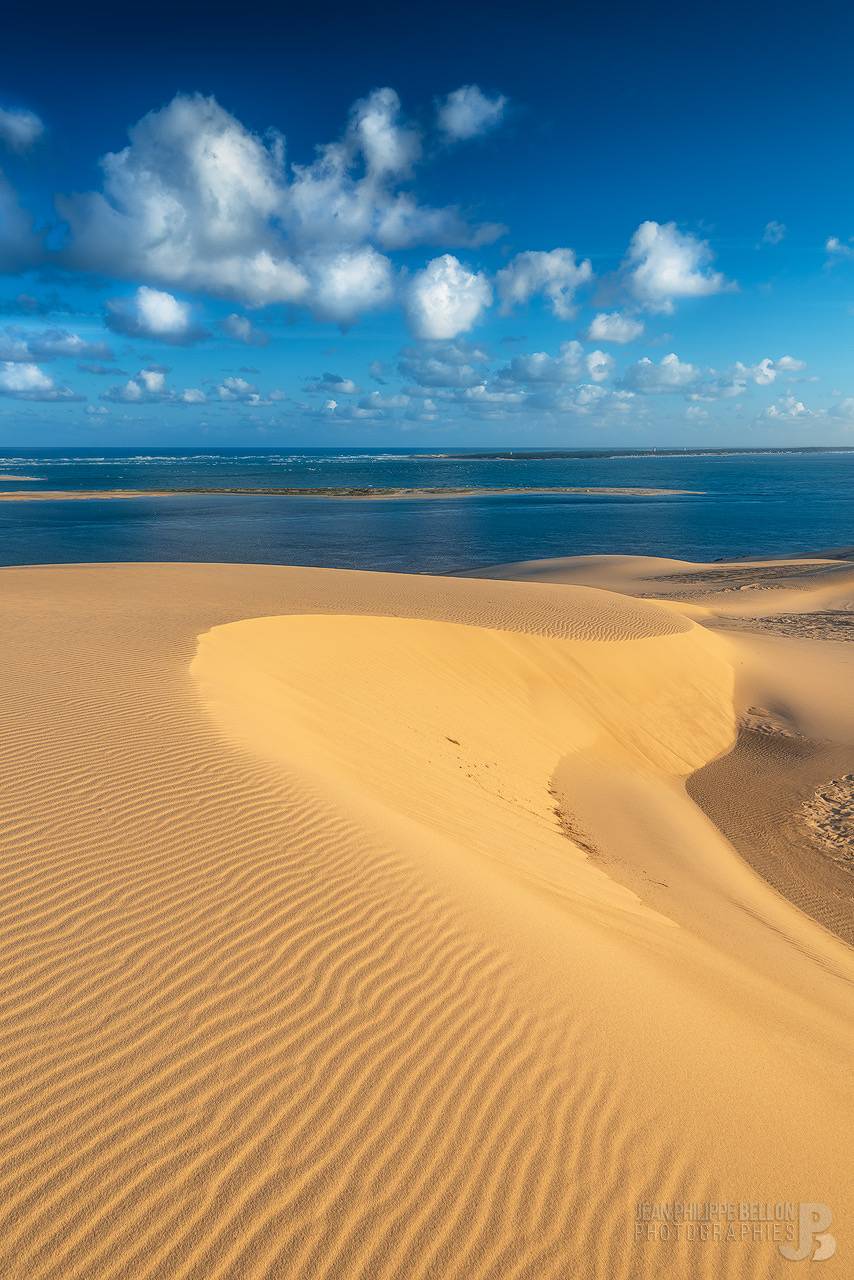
{"x": 364, "y": 925}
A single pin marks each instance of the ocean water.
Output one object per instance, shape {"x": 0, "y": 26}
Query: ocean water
{"x": 752, "y": 504}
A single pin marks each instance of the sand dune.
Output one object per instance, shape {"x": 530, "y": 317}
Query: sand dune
{"x": 362, "y": 925}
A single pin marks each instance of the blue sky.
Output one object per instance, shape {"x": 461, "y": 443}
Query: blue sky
{"x": 533, "y": 226}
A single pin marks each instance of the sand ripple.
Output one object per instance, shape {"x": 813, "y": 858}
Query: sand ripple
{"x": 282, "y": 1004}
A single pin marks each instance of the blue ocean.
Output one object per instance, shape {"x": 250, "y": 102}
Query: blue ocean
{"x": 751, "y": 504}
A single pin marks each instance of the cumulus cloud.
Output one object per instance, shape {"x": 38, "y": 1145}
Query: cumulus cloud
{"x": 241, "y": 329}
{"x": 612, "y": 326}
{"x": 238, "y": 389}
{"x": 22, "y": 345}
{"x": 774, "y": 233}
{"x": 539, "y": 367}
{"x": 29, "y": 382}
{"x": 451, "y": 364}
{"x": 741, "y": 376}
{"x": 600, "y": 365}
{"x": 788, "y": 408}
{"x": 468, "y": 112}
{"x": 388, "y": 146}
{"x": 190, "y": 201}
{"x": 19, "y": 128}
{"x": 555, "y": 274}
{"x": 837, "y": 248}
{"x": 664, "y": 265}
{"x": 446, "y": 298}
{"x": 332, "y": 384}
{"x": 149, "y": 386}
{"x": 589, "y": 398}
{"x": 153, "y": 313}
{"x": 844, "y": 410}
{"x": 789, "y": 364}
{"x": 376, "y": 401}
{"x": 670, "y": 374}
{"x": 349, "y": 282}
{"x": 346, "y": 412}
{"x": 198, "y": 201}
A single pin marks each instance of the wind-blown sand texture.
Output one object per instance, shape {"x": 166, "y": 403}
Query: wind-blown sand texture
{"x": 362, "y": 925}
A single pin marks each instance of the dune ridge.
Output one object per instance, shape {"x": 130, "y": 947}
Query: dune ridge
{"x": 294, "y": 985}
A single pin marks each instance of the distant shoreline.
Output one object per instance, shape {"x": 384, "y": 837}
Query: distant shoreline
{"x": 45, "y": 495}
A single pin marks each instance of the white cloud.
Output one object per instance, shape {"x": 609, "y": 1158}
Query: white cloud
{"x": 774, "y": 233}
{"x": 141, "y": 388}
{"x": 349, "y": 282}
{"x": 468, "y": 111}
{"x": 388, "y": 147}
{"x": 612, "y": 326}
{"x": 763, "y": 373}
{"x": 29, "y": 382}
{"x": 740, "y": 376}
{"x": 350, "y": 412}
{"x": 838, "y": 248}
{"x": 844, "y": 411}
{"x": 600, "y": 365}
{"x": 241, "y": 329}
{"x": 153, "y": 313}
{"x": 454, "y": 364}
{"x": 27, "y": 346}
{"x": 236, "y": 389}
{"x": 556, "y": 275}
{"x": 19, "y": 128}
{"x": 539, "y": 367}
{"x": 670, "y": 374}
{"x": 199, "y": 202}
{"x": 149, "y": 386}
{"x": 484, "y": 395}
{"x": 189, "y": 201}
{"x": 788, "y": 364}
{"x": 153, "y": 380}
{"x": 233, "y": 388}
{"x": 446, "y": 299}
{"x": 588, "y": 397}
{"x": 664, "y": 264}
{"x": 375, "y": 400}
{"x": 788, "y": 408}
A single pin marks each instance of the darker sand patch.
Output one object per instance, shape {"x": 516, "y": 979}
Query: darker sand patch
{"x": 763, "y": 796}
{"x": 822, "y": 624}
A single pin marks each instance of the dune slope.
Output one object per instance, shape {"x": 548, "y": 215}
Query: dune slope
{"x": 335, "y": 941}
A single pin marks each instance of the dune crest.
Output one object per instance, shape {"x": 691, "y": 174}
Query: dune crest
{"x": 463, "y": 729}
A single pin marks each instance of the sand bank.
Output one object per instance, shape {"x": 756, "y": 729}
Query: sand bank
{"x": 331, "y": 492}
{"x": 364, "y": 925}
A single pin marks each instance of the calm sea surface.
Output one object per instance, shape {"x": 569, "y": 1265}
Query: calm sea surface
{"x": 752, "y": 504}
